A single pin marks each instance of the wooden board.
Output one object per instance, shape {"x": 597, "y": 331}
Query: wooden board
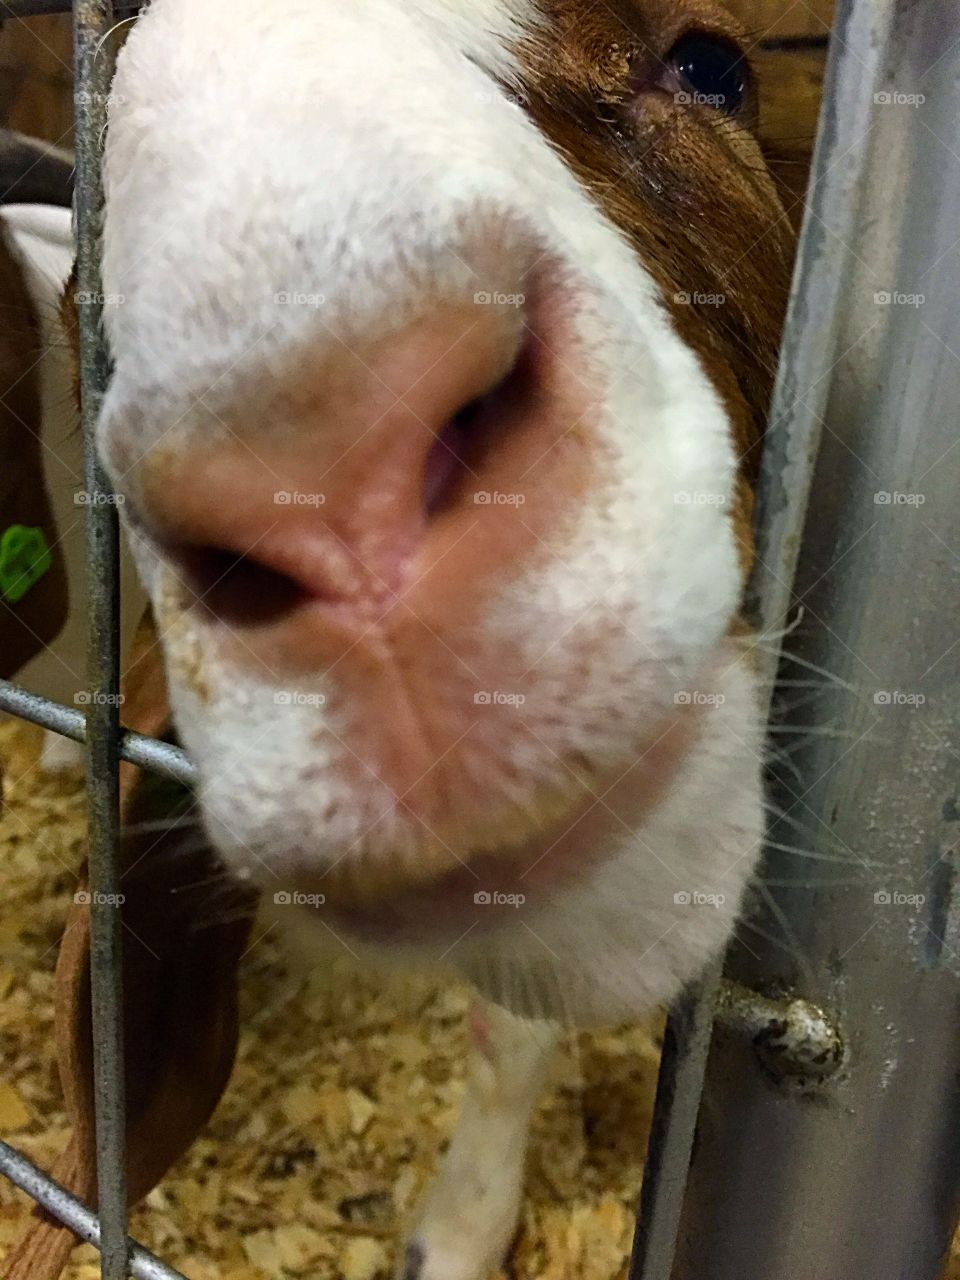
{"x": 784, "y": 17}
{"x": 36, "y": 78}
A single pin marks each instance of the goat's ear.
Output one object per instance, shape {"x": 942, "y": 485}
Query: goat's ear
{"x": 791, "y": 85}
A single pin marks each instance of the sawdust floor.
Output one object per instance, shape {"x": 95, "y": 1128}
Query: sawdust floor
{"x": 343, "y": 1094}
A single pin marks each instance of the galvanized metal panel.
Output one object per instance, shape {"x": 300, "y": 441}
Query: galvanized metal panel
{"x": 859, "y": 1177}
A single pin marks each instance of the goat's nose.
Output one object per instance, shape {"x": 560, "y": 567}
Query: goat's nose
{"x": 324, "y": 495}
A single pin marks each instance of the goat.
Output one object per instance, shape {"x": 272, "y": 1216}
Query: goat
{"x": 444, "y": 333}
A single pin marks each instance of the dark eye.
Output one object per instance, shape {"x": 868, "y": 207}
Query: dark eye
{"x": 712, "y": 70}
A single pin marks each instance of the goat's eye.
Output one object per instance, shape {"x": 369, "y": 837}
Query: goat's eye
{"x": 712, "y": 70}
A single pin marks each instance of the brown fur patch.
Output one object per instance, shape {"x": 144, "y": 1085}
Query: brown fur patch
{"x": 687, "y": 185}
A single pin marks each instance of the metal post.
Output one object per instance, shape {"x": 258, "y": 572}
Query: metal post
{"x": 93, "y": 20}
{"x": 686, "y": 1043}
{"x": 857, "y": 1175}
{"x": 792, "y": 444}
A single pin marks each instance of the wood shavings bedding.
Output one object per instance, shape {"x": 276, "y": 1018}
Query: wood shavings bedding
{"x": 344, "y": 1092}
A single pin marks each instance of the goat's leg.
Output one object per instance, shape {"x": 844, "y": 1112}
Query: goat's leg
{"x": 468, "y": 1216}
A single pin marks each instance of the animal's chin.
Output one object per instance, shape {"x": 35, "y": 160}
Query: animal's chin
{"x": 481, "y": 890}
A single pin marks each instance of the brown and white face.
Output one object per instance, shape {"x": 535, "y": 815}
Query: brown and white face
{"x": 446, "y": 338}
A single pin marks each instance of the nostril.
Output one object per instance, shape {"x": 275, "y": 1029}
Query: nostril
{"x": 238, "y": 590}
{"x": 457, "y": 455}
{"x": 446, "y": 461}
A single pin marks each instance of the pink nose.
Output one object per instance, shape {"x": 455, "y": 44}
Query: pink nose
{"x": 331, "y": 503}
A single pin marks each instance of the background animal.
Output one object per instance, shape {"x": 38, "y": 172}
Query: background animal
{"x": 41, "y": 483}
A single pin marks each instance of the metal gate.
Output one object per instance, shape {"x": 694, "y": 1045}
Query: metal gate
{"x": 787, "y": 1144}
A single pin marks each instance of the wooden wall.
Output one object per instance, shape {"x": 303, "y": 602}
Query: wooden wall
{"x": 35, "y": 60}
{"x": 784, "y": 17}
{"x": 36, "y": 78}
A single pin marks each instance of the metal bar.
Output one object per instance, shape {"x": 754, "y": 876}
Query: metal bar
{"x": 66, "y": 1208}
{"x": 685, "y": 1045}
{"x": 791, "y": 448}
{"x": 839, "y": 174}
{"x": 792, "y": 1038}
{"x": 93, "y": 70}
{"x": 859, "y": 1176}
{"x": 149, "y": 753}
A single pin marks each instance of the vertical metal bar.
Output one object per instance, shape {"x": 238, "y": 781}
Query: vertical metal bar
{"x": 790, "y": 454}
{"x": 811, "y": 344}
{"x": 859, "y": 1176}
{"x": 93, "y": 75}
{"x": 686, "y": 1043}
